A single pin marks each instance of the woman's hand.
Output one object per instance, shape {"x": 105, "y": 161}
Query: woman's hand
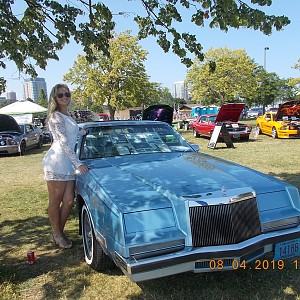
{"x": 82, "y": 169}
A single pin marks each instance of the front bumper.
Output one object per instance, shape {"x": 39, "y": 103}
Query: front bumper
{"x": 9, "y": 149}
{"x": 198, "y": 259}
{"x": 288, "y": 134}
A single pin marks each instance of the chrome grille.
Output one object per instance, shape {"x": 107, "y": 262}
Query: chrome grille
{"x": 224, "y": 224}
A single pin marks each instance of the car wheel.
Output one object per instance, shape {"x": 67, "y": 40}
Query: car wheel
{"x": 274, "y": 133}
{"x": 94, "y": 255}
{"x": 40, "y": 143}
{"x": 258, "y": 129}
{"x": 22, "y": 148}
{"x": 196, "y": 134}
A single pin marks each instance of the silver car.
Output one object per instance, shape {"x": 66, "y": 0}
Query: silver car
{"x": 18, "y": 138}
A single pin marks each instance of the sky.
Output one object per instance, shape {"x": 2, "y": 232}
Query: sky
{"x": 166, "y": 68}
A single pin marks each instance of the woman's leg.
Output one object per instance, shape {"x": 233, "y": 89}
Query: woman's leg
{"x": 56, "y": 191}
{"x": 67, "y": 204}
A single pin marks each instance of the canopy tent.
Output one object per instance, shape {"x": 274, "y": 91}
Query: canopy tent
{"x": 22, "y": 107}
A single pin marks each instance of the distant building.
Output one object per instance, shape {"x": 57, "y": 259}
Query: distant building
{"x": 179, "y": 90}
{"x": 32, "y": 88}
{"x": 10, "y": 95}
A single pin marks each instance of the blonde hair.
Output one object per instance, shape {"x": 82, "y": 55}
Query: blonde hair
{"x": 52, "y": 104}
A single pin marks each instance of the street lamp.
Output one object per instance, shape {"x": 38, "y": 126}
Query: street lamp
{"x": 265, "y": 57}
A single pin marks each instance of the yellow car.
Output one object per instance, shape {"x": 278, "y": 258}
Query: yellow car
{"x": 285, "y": 123}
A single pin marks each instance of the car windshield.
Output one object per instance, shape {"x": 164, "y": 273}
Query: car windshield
{"x": 119, "y": 140}
{"x": 212, "y": 119}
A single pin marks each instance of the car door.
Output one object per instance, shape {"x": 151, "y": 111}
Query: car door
{"x": 267, "y": 124}
{"x": 31, "y": 135}
{"x": 203, "y": 127}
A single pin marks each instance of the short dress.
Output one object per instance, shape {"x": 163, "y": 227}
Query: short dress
{"x": 60, "y": 161}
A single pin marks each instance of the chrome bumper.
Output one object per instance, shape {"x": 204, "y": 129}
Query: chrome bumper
{"x": 195, "y": 259}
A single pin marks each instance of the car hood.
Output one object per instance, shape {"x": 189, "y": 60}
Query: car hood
{"x": 290, "y": 108}
{"x": 8, "y": 124}
{"x": 230, "y": 112}
{"x": 136, "y": 185}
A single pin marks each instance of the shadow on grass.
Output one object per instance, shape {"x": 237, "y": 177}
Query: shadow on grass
{"x": 56, "y": 268}
{"x": 239, "y": 284}
{"x": 293, "y": 179}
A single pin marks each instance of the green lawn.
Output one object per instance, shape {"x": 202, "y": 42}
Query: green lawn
{"x": 63, "y": 274}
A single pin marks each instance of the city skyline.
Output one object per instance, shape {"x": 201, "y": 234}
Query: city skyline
{"x": 165, "y": 68}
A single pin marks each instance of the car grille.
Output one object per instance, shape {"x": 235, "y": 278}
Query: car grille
{"x": 240, "y": 128}
{"x": 224, "y": 224}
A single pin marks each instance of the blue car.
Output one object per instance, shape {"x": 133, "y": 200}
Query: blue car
{"x": 153, "y": 205}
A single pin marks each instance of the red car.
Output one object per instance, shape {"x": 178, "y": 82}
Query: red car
{"x": 228, "y": 114}
{"x": 103, "y": 117}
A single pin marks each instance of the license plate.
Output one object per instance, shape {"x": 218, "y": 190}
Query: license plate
{"x": 287, "y": 249}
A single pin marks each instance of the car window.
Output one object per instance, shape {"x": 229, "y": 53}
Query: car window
{"x": 109, "y": 141}
{"x": 212, "y": 119}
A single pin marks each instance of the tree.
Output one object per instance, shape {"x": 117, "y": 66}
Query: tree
{"x": 118, "y": 81}
{"x": 2, "y": 85}
{"x": 231, "y": 80}
{"x": 269, "y": 88}
{"x": 39, "y": 28}
{"x": 42, "y": 99}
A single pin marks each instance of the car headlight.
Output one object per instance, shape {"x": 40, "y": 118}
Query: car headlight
{"x": 12, "y": 142}
{"x": 9, "y": 141}
{"x": 153, "y": 233}
{"x": 149, "y": 220}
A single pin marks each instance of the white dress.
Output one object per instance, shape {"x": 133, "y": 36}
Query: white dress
{"x": 60, "y": 162}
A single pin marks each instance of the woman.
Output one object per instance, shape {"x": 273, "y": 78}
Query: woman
{"x": 60, "y": 163}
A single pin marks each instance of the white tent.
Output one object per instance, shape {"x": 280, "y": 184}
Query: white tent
{"x": 22, "y": 107}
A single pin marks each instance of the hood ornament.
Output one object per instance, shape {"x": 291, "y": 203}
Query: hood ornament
{"x": 224, "y": 191}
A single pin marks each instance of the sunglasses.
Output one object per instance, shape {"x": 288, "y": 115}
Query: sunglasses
{"x": 67, "y": 94}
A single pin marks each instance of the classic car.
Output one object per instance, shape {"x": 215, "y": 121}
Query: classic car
{"x": 254, "y": 112}
{"x": 153, "y": 205}
{"x": 285, "y": 123}
{"x": 228, "y": 114}
{"x": 18, "y": 138}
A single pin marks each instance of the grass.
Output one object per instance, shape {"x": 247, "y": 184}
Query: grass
{"x": 63, "y": 274}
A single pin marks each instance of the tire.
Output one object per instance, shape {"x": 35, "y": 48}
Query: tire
{"x": 274, "y": 133}
{"x": 40, "y": 143}
{"x": 94, "y": 255}
{"x": 22, "y": 148}
{"x": 195, "y": 133}
{"x": 258, "y": 129}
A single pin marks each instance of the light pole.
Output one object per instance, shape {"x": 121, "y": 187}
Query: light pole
{"x": 265, "y": 57}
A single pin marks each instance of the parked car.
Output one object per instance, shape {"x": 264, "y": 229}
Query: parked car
{"x": 254, "y": 112}
{"x": 154, "y": 206}
{"x": 18, "y": 138}
{"x": 228, "y": 114}
{"x": 285, "y": 123}
{"x": 47, "y": 136}
{"x": 103, "y": 117}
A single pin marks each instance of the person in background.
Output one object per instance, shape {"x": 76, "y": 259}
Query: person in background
{"x": 61, "y": 162}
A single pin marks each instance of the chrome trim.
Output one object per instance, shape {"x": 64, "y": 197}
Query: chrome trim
{"x": 184, "y": 261}
{"x": 242, "y": 197}
{"x": 281, "y": 224}
{"x": 156, "y": 249}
